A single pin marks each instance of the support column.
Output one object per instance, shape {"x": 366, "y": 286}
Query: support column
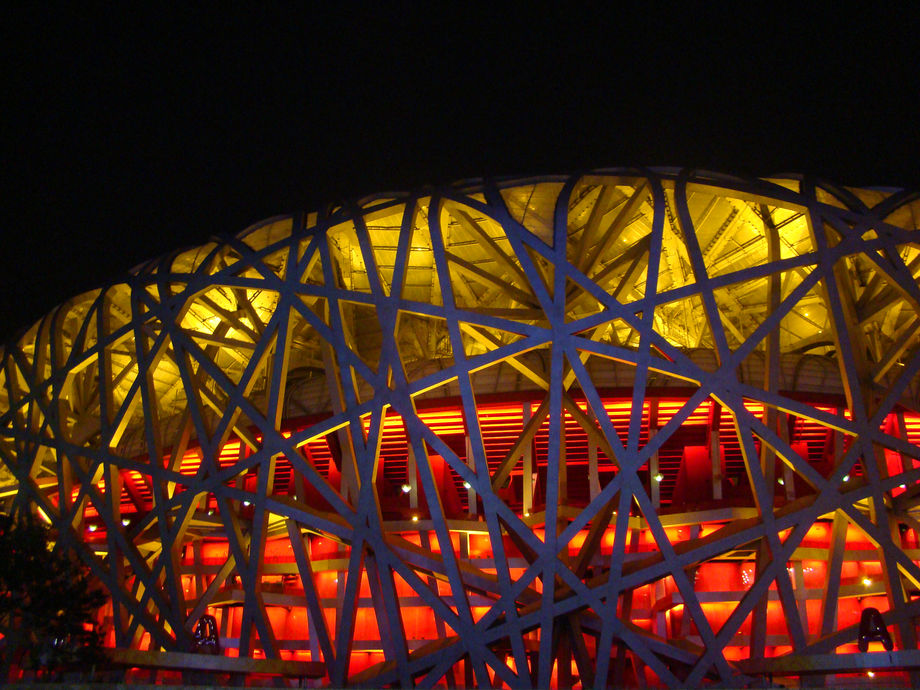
{"x": 594, "y": 481}
{"x": 715, "y": 449}
{"x": 412, "y": 478}
{"x": 527, "y": 473}
{"x": 653, "y": 469}
{"x": 471, "y": 492}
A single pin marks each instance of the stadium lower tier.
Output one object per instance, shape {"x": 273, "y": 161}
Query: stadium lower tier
{"x": 689, "y": 555}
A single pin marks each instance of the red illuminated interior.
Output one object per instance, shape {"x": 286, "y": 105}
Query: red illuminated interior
{"x": 684, "y": 487}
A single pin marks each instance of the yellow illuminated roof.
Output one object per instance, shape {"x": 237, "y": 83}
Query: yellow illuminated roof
{"x": 709, "y": 237}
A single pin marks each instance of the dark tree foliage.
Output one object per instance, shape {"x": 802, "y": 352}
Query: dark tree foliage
{"x": 47, "y": 602}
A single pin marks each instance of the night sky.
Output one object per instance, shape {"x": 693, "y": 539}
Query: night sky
{"x": 126, "y": 134}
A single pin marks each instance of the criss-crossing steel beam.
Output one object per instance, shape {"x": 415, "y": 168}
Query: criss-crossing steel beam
{"x": 601, "y": 429}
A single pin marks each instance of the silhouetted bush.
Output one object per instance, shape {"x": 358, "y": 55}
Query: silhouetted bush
{"x": 47, "y": 602}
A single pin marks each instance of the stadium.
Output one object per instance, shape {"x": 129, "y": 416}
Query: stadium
{"x": 624, "y": 428}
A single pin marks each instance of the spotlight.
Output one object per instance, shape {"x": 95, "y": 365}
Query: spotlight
{"x": 658, "y": 477}
{"x": 415, "y": 518}
{"x": 467, "y": 485}
{"x": 406, "y": 488}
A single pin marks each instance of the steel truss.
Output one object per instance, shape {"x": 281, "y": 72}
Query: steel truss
{"x": 616, "y": 428}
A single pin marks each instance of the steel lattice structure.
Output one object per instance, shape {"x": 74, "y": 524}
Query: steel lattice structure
{"x": 623, "y": 427}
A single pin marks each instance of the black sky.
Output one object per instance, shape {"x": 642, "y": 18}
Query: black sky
{"x": 125, "y": 134}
